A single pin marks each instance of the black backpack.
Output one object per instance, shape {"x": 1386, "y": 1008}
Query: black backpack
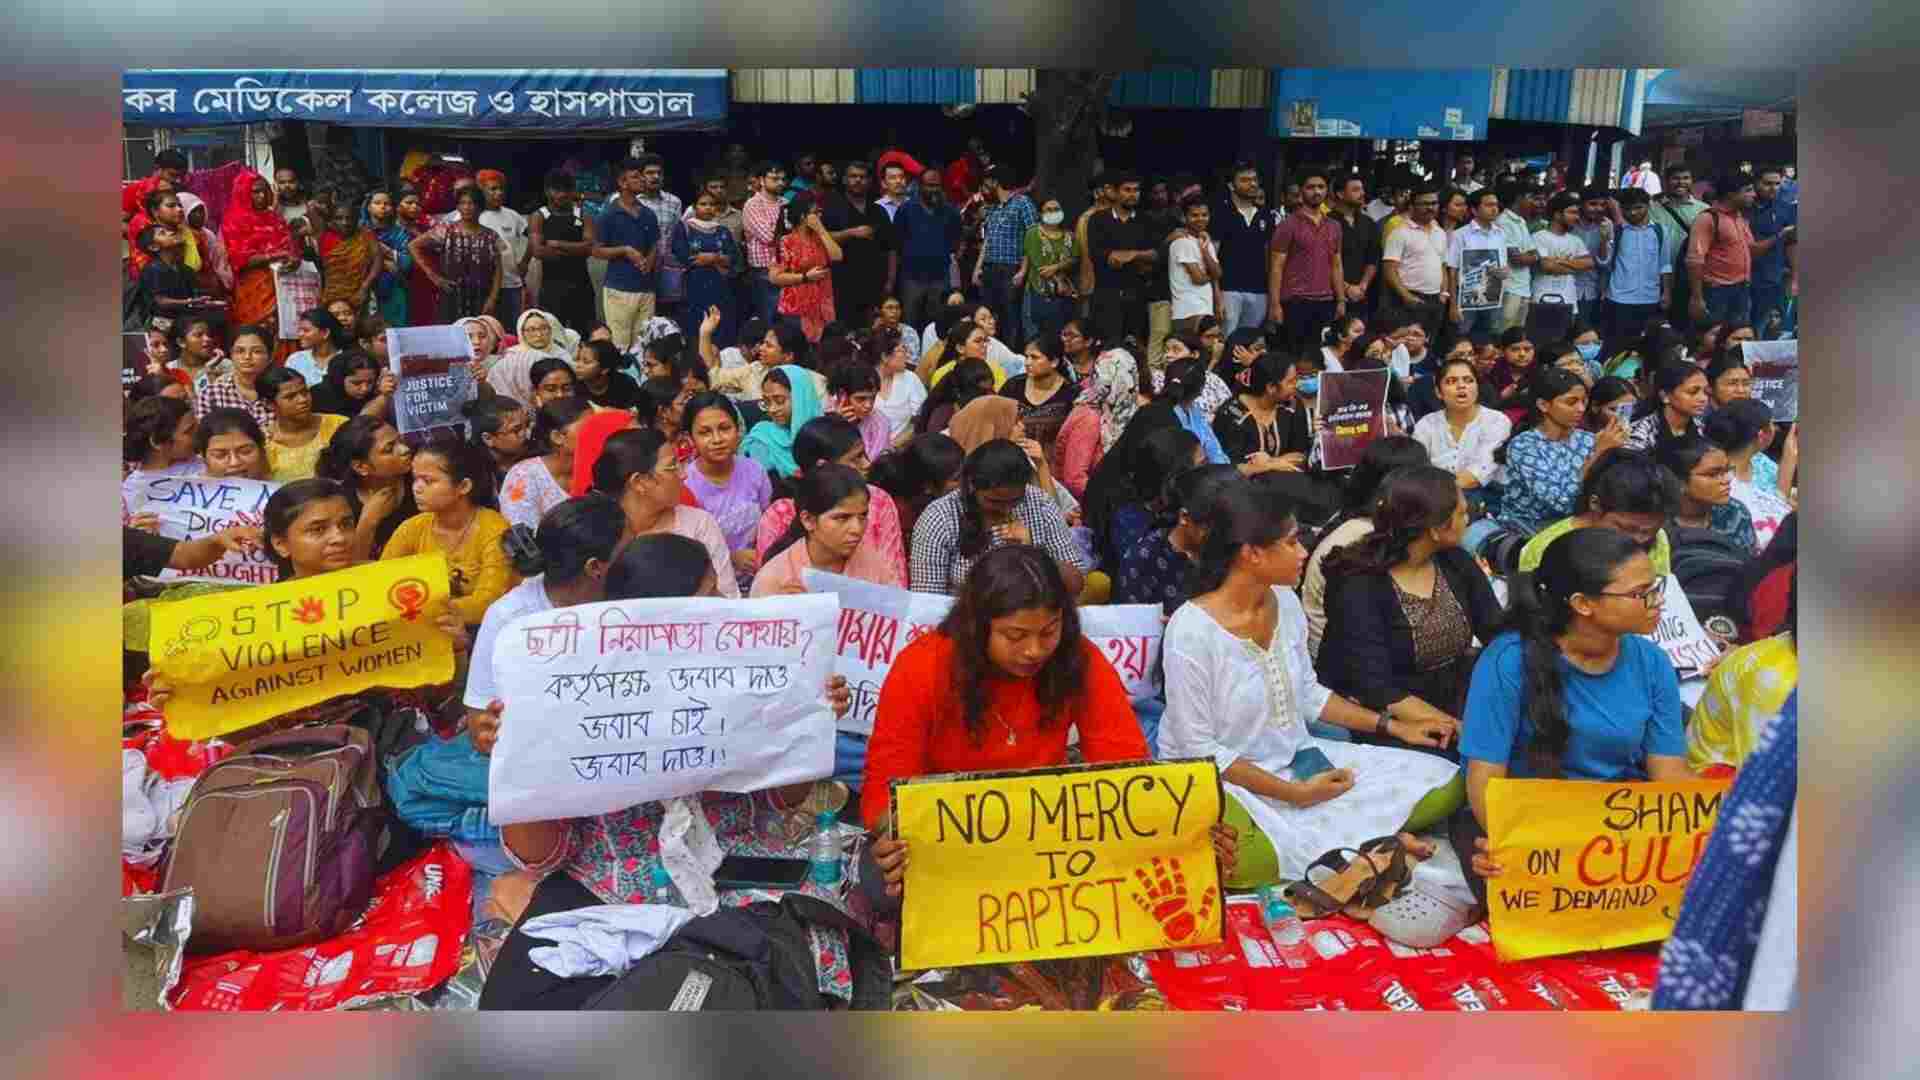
{"x": 1709, "y": 566}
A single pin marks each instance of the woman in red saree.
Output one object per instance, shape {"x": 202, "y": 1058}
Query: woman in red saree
{"x": 257, "y": 238}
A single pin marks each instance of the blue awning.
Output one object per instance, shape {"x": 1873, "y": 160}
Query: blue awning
{"x": 531, "y": 101}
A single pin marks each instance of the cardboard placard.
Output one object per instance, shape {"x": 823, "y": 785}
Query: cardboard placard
{"x": 1350, "y": 413}
{"x": 433, "y": 367}
{"x": 192, "y": 507}
{"x": 1775, "y": 367}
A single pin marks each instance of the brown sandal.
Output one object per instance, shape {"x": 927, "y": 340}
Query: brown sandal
{"x": 1346, "y": 880}
{"x": 1389, "y": 880}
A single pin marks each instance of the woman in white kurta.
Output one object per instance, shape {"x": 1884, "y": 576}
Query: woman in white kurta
{"x": 1241, "y": 690}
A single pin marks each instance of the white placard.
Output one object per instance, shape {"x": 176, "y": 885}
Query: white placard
{"x": 615, "y": 704}
{"x": 1680, "y": 634}
{"x": 192, "y": 507}
{"x": 878, "y": 621}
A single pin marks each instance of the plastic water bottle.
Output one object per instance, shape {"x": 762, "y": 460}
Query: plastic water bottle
{"x": 659, "y": 884}
{"x": 1277, "y": 915}
{"x": 825, "y": 868}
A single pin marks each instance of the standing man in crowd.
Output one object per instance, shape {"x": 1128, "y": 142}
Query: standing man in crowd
{"x": 761, "y": 218}
{"x": 806, "y": 168}
{"x": 1359, "y": 245}
{"x": 1240, "y": 228}
{"x": 287, "y": 189}
{"x": 1521, "y": 201}
{"x": 562, "y": 237}
{"x": 893, "y": 189}
{"x": 1673, "y": 213}
{"x": 1773, "y": 267}
{"x": 929, "y": 233}
{"x": 1562, "y": 253}
{"x": 629, "y": 236}
{"x": 1102, "y": 201}
{"x": 1463, "y": 174}
{"x": 1481, "y": 234}
{"x": 1303, "y": 265}
{"x": 1413, "y": 261}
{"x": 667, "y": 209}
{"x": 1123, "y": 260}
{"x": 511, "y": 226}
{"x": 864, "y": 232}
{"x": 1193, "y": 270}
{"x": 1005, "y": 219}
{"x": 1639, "y": 271}
{"x": 1595, "y": 229}
{"x": 1721, "y": 251}
{"x": 169, "y": 169}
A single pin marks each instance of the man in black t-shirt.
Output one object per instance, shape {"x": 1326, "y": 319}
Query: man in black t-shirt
{"x": 1124, "y": 262}
{"x": 864, "y": 231}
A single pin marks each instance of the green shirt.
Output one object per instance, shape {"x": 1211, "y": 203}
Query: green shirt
{"x": 1041, "y": 251}
{"x": 1662, "y": 553}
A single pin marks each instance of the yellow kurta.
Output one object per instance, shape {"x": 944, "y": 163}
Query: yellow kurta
{"x": 479, "y": 568}
{"x": 286, "y": 464}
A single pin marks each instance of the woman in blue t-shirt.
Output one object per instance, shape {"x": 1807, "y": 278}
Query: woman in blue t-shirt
{"x": 1574, "y": 691}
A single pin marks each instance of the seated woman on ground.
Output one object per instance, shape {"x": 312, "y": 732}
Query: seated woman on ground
{"x": 451, "y": 486}
{"x": 630, "y": 857}
{"x": 1576, "y": 690}
{"x": 1405, "y": 604}
{"x": 1000, "y": 685}
{"x": 1626, "y": 491}
{"x": 996, "y": 504}
{"x": 1241, "y": 690}
{"x": 831, "y": 440}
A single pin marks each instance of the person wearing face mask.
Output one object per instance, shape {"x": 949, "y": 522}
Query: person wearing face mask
{"x": 1050, "y": 258}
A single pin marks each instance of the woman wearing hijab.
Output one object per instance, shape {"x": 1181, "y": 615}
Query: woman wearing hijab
{"x": 994, "y": 417}
{"x": 541, "y": 338}
{"x": 790, "y": 399}
{"x": 1106, "y": 404}
{"x": 256, "y": 239}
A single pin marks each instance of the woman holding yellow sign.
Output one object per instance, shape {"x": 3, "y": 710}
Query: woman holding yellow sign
{"x": 1579, "y": 691}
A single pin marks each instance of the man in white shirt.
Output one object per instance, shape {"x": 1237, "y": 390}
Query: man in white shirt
{"x": 1521, "y": 201}
{"x": 511, "y": 226}
{"x": 1562, "y": 253}
{"x": 1477, "y": 266}
{"x": 1413, "y": 265}
{"x": 1193, "y": 271}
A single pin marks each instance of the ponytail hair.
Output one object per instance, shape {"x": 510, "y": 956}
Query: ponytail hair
{"x": 1411, "y": 501}
{"x": 918, "y": 468}
{"x": 151, "y": 423}
{"x": 1581, "y": 561}
{"x": 817, "y": 491}
{"x": 570, "y": 535}
{"x": 1185, "y": 379}
{"x": 1252, "y": 514}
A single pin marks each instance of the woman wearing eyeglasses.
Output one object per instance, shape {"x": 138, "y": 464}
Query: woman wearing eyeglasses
{"x": 1574, "y": 690}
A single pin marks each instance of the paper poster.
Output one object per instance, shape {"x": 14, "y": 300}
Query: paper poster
{"x": 432, "y": 365}
{"x": 192, "y": 507}
{"x": 1480, "y": 288}
{"x": 1775, "y": 367}
{"x": 295, "y": 291}
{"x": 1306, "y": 114}
{"x": 1452, "y": 117}
{"x": 1591, "y": 865}
{"x": 615, "y": 704}
{"x": 133, "y": 357}
{"x": 877, "y": 621}
{"x": 1086, "y": 860}
{"x": 1680, "y": 634}
{"x": 1349, "y": 413}
{"x": 239, "y": 658}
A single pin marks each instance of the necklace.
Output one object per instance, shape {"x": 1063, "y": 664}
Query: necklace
{"x": 464, "y": 533}
{"x": 1012, "y": 736}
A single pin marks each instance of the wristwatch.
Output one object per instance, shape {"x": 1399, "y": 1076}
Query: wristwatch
{"x": 1380, "y": 725}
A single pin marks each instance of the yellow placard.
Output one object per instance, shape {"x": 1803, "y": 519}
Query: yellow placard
{"x": 238, "y": 658}
{"x": 1592, "y": 865}
{"x": 1043, "y": 864}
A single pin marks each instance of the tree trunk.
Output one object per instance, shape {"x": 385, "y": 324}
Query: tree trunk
{"x": 1067, "y": 108}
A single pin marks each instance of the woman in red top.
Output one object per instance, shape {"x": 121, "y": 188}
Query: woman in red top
{"x": 803, "y": 269}
{"x": 998, "y": 686}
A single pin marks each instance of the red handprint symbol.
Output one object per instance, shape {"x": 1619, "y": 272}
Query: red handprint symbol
{"x": 1166, "y": 900}
{"x": 311, "y": 610}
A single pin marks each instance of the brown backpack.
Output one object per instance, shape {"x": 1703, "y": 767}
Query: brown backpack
{"x": 279, "y": 841}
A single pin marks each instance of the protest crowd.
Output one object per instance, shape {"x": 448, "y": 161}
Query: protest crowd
{"x": 1414, "y": 473}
